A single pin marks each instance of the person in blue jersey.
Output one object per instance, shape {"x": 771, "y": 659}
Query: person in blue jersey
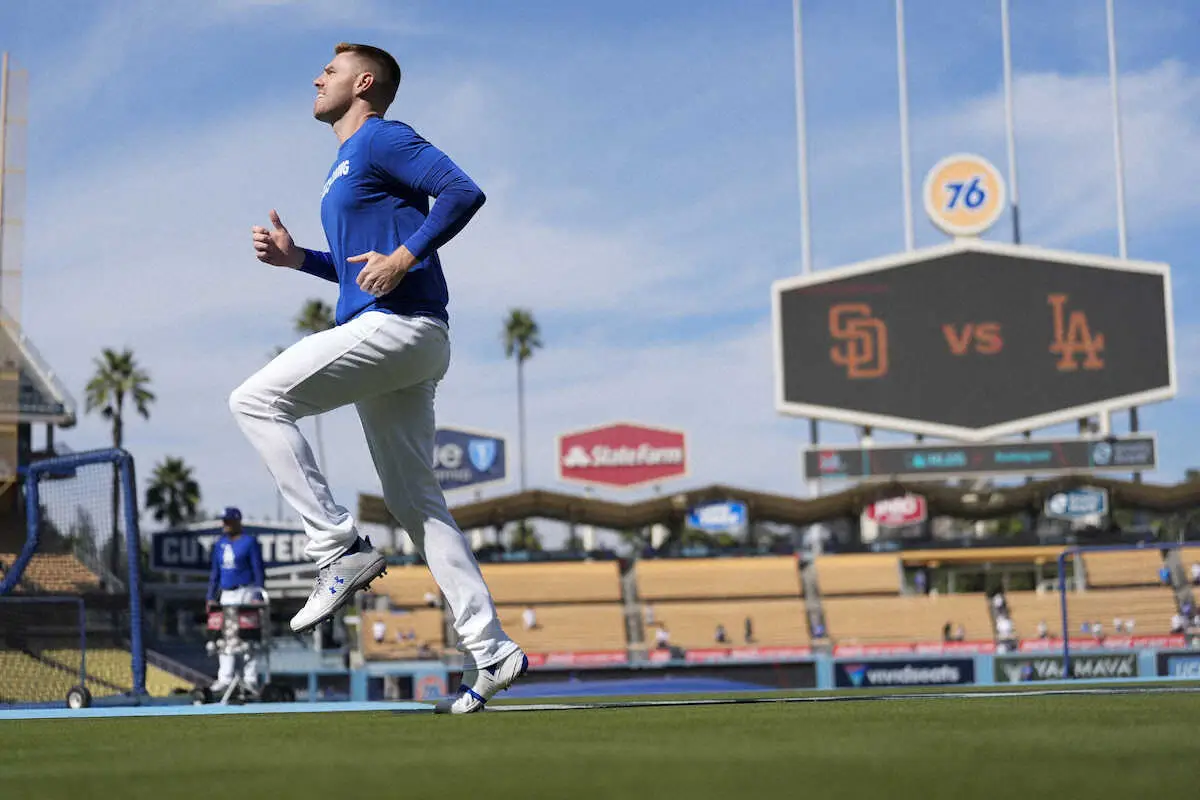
{"x": 236, "y": 580}
{"x": 387, "y": 353}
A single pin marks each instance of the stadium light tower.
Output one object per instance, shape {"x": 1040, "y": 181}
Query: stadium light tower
{"x": 814, "y": 433}
{"x": 1118, "y": 157}
{"x": 905, "y": 155}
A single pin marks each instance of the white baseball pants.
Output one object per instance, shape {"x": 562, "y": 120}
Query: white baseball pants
{"x": 389, "y": 367}
{"x": 227, "y": 662}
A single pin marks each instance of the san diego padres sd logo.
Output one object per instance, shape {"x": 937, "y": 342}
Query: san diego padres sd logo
{"x": 862, "y": 341}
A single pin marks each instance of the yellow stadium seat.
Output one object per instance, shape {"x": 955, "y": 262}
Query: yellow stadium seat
{"x": 54, "y": 573}
{"x": 710, "y": 578}
{"x": 567, "y": 628}
{"x": 1150, "y": 610}
{"x": 425, "y": 624}
{"x": 858, "y": 573}
{"x": 1123, "y": 567}
{"x": 776, "y": 623}
{"x": 863, "y": 620}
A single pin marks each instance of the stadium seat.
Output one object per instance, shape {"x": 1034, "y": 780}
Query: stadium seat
{"x": 568, "y": 628}
{"x": 53, "y": 573}
{"x": 426, "y": 624}
{"x": 548, "y": 582}
{"x": 1035, "y": 554}
{"x": 710, "y": 578}
{"x": 1150, "y": 609}
{"x": 1187, "y": 557}
{"x": 406, "y": 586}
{"x": 554, "y": 582}
{"x": 24, "y": 679}
{"x": 858, "y": 574}
{"x": 861, "y": 620}
{"x": 693, "y": 625}
{"x": 1123, "y": 567}
{"x": 113, "y": 665}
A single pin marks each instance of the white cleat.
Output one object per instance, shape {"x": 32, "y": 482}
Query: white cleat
{"x": 480, "y": 685}
{"x": 337, "y": 582}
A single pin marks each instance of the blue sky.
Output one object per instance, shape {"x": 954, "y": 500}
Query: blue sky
{"x": 640, "y": 163}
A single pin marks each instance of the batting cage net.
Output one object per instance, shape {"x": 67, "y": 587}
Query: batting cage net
{"x": 70, "y": 599}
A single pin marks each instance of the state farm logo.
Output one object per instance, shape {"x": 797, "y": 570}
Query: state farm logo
{"x": 622, "y": 454}
{"x": 604, "y": 456}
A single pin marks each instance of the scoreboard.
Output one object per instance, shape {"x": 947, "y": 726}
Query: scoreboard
{"x": 973, "y": 340}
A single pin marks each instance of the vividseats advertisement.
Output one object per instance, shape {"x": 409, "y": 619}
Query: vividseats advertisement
{"x": 930, "y": 672}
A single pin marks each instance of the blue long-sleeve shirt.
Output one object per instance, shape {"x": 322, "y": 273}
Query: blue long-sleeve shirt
{"x": 235, "y": 562}
{"x": 377, "y": 198}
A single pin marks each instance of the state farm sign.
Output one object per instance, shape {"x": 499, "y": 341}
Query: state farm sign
{"x": 895, "y": 511}
{"x": 622, "y": 455}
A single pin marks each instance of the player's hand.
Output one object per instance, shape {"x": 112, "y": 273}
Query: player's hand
{"x": 275, "y": 246}
{"x": 381, "y": 273}
{"x": 210, "y": 605}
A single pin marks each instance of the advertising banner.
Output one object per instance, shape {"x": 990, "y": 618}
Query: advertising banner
{"x": 1033, "y": 457}
{"x": 906, "y": 648}
{"x": 468, "y": 459}
{"x": 1083, "y": 503}
{"x": 1175, "y": 665}
{"x": 729, "y": 655}
{"x": 622, "y": 455}
{"x": 728, "y": 517}
{"x": 930, "y": 672}
{"x": 1025, "y": 669}
{"x": 190, "y": 550}
{"x": 599, "y": 658}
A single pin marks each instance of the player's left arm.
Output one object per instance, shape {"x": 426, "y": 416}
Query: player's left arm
{"x": 401, "y": 154}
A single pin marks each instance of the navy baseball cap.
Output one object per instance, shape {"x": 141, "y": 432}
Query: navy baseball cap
{"x": 231, "y": 514}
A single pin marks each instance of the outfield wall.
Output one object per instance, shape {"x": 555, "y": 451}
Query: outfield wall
{"x": 768, "y": 669}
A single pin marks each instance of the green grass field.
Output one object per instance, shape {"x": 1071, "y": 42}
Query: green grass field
{"x": 1092, "y": 747}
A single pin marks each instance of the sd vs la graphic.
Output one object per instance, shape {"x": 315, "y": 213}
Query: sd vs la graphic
{"x": 861, "y": 339}
{"x": 622, "y": 454}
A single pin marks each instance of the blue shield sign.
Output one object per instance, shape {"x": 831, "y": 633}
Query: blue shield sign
{"x": 482, "y": 453}
{"x": 464, "y": 458}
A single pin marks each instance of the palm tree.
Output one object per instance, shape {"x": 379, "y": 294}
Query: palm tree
{"x": 521, "y": 338}
{"x": 173, "y": 494}
{"x": 117, "y": 378}
{"x": 315, "y": 316}
{"x": 525, "y": 537}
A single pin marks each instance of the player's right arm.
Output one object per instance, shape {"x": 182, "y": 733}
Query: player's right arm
{"x": 276, "y": 247}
